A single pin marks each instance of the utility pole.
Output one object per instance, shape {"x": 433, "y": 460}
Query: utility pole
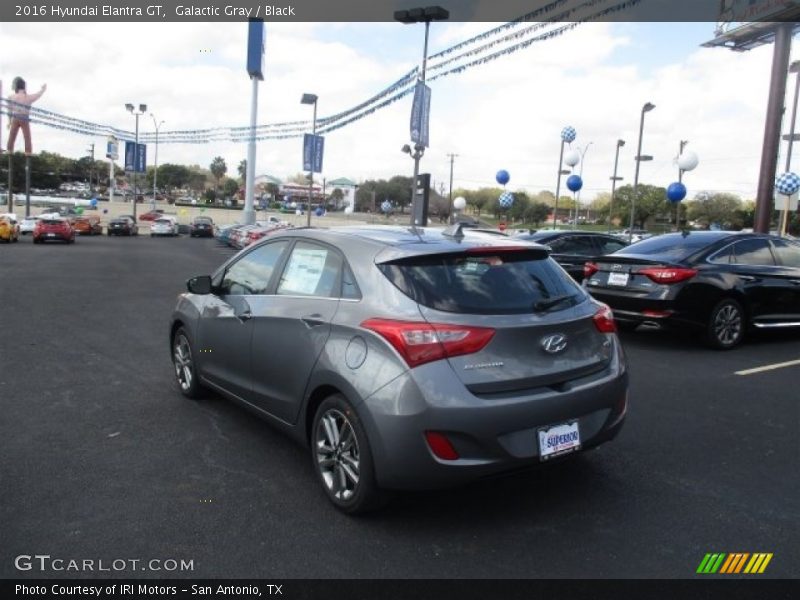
{"x": 450, "y": 212}
{"x": 90, "y": 150}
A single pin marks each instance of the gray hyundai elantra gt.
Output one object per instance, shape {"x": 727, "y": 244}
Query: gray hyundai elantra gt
{"x": 405, "y": 358}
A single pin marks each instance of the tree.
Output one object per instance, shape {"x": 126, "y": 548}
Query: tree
{"x": 299, "y": 179}
{"x": 337, "y": 195}
{"x": 230, "y": 187}
{"x": 536, "y": 212}
{"x": 218, "y": 169}
{"x": 651, "y": 201}
{"x": 242, "y": 168}
{"x": 720, "y": 208}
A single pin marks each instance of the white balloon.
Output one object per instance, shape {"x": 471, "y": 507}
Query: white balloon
{"x": 298, "y": 212}
{"x": 348, "y": 210}
{"x": 572, "y": 158}
{"x": 688, "y": 161}
{"x": 460, "y": 203}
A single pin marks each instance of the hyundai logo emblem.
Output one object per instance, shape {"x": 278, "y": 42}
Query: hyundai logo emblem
{"x": 616, "y": 267}
{"x": 553, "y": 344}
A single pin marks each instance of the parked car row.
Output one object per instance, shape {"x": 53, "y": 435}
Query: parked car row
{"x": 241, "y": 236}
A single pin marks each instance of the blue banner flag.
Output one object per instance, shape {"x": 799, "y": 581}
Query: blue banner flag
{"x": 313, "y": 150}
{"x": 420, "y": 114}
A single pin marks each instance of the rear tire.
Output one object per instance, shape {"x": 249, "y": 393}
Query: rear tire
{"x": 726, "y": 325}
{"x": 342, "y": 458}
{"x": 183, "y": 361}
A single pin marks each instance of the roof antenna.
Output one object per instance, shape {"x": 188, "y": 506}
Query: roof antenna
{"x": 455, "y": 231}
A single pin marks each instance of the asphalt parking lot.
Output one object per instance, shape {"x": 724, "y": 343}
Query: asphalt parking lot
{"x": 104, "y": 459}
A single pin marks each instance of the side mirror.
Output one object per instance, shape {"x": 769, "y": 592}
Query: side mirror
{"x": 199, "y": 285}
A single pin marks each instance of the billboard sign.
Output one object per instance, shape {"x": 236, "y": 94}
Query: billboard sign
{"x": 112, "y": 148}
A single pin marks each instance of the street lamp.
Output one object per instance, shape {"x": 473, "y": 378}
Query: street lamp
{"x": 311, "y": 99}
{"x": 142, "y": 109}
{"x": 614, "y": 180}
{"x": 420, "y": 15}
{"x": 157, "y": 124}
{"x": 639, "y": 158}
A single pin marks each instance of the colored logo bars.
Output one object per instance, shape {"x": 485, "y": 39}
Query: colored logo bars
{"x": 737, "y": 562}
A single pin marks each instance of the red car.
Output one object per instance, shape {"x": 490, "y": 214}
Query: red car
{"x": 151, "y": 215}
{"x": 52, "y": 229}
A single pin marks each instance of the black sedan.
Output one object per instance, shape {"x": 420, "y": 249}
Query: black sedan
{"x": 201, "y": 227}
{"x": 571, "y": 249}
{"x": 124, "y": 225}
{"x": 720, "y": 282}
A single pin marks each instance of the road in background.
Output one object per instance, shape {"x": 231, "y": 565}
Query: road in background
{"x": 104, "y": 459}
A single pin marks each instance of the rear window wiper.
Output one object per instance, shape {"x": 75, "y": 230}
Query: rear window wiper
{"x": 543, "y": 305}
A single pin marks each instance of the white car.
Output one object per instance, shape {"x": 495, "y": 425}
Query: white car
{"x": 27, "y": 225}
{"x": 164, "y": 226}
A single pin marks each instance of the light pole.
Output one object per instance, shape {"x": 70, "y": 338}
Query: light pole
{"x": 614, "y": 180}
{"x": 681, "y": 146}
{"x": 311, "y": 99}
{"x": 142, "y": 110}
{"x": 639, "y": 158}
{"x": 580, "y": 174}
{"x": 158, "y": 125}
{"x": 450, "y": 212}
{"x": 793, "y": 68}
{"x": 420, "y": 15}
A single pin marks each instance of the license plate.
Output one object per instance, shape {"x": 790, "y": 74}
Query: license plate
{"x": 51, "y": 235}
{"x": 559, "y": 439}
{"x": 618, "y": 279}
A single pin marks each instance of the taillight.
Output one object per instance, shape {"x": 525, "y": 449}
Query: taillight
{"x": 604, "y": 320}
{"x": 668, "y": 274}
{"x": 420, "y": 343}
{"x": 589, "y": 269}
{"x": 440, "y": 445}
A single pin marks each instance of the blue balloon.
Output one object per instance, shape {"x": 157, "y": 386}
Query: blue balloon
{"x": 676, "y": 192}
{"x": 386, "y": 206}
{"x": 319, "y": 212}
{"x": 93, "y": 202}
{"x": 574, "y": 183}
{"x": 502, "y": 177}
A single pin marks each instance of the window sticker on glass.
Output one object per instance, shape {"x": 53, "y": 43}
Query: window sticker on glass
{"x": 304, "y": 271}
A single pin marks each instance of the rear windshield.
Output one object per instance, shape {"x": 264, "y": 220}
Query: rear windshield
{"x": 504, "y": 282}
{"x": 672, "y": 246}
{"x": 52, "y": 221}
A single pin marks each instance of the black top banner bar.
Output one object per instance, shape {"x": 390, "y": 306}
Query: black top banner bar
{"x": 381, "y": 10}
{"x": 407, "y": 589}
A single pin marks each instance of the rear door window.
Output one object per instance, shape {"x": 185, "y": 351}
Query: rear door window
{"x": 502, "y": 282}
{"x": 753, "y": 252}
{"x": 312, "y": 270}
{"x": 788, "y": 253}
{"x": 578, "y": 245}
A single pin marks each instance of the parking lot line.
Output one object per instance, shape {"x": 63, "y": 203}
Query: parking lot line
{"x": 771, "y": 367}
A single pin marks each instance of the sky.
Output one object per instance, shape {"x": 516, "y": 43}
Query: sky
{"x": 506, "y": 114}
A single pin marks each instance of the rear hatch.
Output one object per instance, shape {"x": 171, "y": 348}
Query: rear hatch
{"x": 53, "y": 226}
{"x": 542, "y": 324}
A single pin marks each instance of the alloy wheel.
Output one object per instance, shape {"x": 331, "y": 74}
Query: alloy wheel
{"x": 182, "y": 357}
{"x": 728, "y": 324}
{"x": 337, "y": 454}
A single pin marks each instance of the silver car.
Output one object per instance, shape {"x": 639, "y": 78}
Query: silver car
{"x": 405, "y": 358}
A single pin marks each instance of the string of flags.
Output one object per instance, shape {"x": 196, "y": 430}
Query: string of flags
{"x": 452, "y": 62}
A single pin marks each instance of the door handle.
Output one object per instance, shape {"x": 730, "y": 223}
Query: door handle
{"x": 795, "y": 281}
{"x": 313, "y": 320}
{"x": 747, "y": 278}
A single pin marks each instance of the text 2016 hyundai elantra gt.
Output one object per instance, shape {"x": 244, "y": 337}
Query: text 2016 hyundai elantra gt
{"x": 405, "y": 358}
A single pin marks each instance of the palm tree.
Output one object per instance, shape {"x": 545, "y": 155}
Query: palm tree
{"x": 242, "y": 168}
{"x": 218, "y": 169}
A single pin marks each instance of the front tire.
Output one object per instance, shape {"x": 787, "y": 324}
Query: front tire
{"x": 183, "y": 361}
{"x": 726, "y": 325}
{"x": 342, "y": 458}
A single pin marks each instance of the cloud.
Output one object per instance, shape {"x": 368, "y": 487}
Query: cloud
{"x": 505, "y": 114}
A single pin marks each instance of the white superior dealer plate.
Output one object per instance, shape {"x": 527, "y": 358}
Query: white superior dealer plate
{"x": 618, "y": 279}
{"x": 559, "y": 439}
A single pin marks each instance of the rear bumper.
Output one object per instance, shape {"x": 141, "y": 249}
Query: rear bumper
{"x": 653, "y": 311}
{"x": 491, "y": 436}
